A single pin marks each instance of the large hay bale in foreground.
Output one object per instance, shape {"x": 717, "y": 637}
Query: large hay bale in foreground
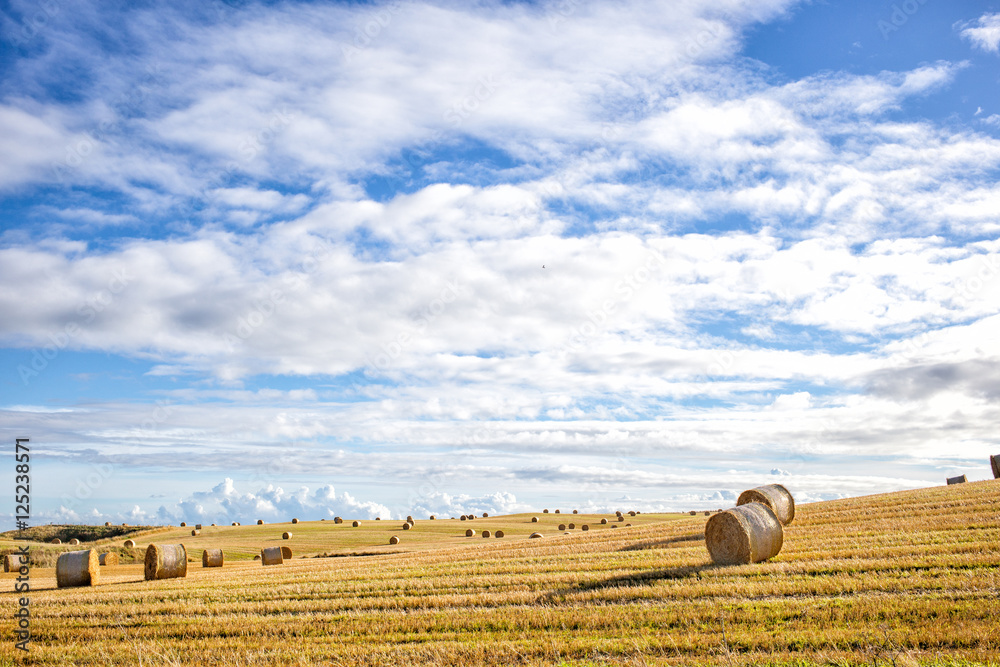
{"x": 499, "y": 533}
{"x": 129, "y": 544}
{"x": 748, "y": 533}
{"x": 961, "y": 479}
{"x": 78, "y": 568}
{"x": 108, "y": 558}
{"x": 12, "y": 563}
{"x": 487, "y": 533}
{"x": 271, "y": 556}
{"x": 995, "y": 465}
{"x": 535, "y": 536}
{"x": 212, "y": 558}
{"x": 470, "y": 533}
{"x": 166, "y": 561}
{"x": 286, "y": 553}
{"x": 286, "y": 535}
{"x": 393, "y": 540}
{"x": 774, "y": 496}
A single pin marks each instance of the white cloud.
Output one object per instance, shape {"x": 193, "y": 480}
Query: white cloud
{"x": 985, "y": 33}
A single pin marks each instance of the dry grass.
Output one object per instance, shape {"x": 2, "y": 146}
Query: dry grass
{"x": 897, "y": 579}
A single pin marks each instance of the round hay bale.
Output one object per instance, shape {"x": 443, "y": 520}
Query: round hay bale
{"x": 638, "y": 512}
{"x": 463, "y": 518}
{"x": 183, "y": 524}
{"x": 576, "y": 511}
{"x": 286, "y": 536}
{"x": 74, "y": 541}
{"x": 295, "y": 520}
{"x": 213, "y": 524}
{"x": 545, "y": 511}
{"x": 12, "y": 563}
{"x": 631, "y": 513}
{"x": 961, "y": 479}
{"x": 614, "y": 525}
{"x": 628, "y": 525}
{"x": 128, "y": 544}
{"x": 235, "y": 524}
{"x": 406, "y": 525}
{"x": 78, "y": 568}
{"x": 107, "y": 524}
{"x": 995, "y": 465}
{"x": 535, "y": 536}
{"x": 286, "y": 553}
{"x": 774, "y": 496}
{"x": 260, "y": 522}
{"x": 355, "y": 524}
{"x": 195, "y": 533}
{"x": 534, "y": 519}
{"x": 197, "y": 526}
{"x": 562, "y": 526}
{"x": 165, "y": 561}
{"x": 125, "y": 525}
{"x": 56, "y": 540}
{"x": 487, "y": 533}
{"x": 472, "y": 517}
{"x": 470, "y": 533}
{"x": 393, "y": 540}
{"x": 748, "y": 533}
{"x": 257, "y": 557}
{"x": 557, "y": 511}
{"x": 584, "y": 527}
{"x": 708, "y": 514}
{"x": 499, "y": 533}
{"x": 433, "y": 517}
{"x": 378, "y": 518}
{"x": 212, "y": 558}
{"x": 694, "y": 513}
{"x": 409, "y": 518}
{"x": 485, "y": 515}
{"x": 337, "y": 519}
{"x": 411, "y": 522}
{"x": 604, "y": 522}
{"x": 572, "y": 526}
{"x": 271, "y": 556}
{"x": 620, "y": 519}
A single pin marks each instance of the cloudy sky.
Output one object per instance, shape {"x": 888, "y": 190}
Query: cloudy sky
{"x": 260, "y": 259}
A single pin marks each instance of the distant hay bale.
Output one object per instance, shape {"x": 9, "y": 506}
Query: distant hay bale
{"x": 557, "y": 511}
{"x": 295, "y": 520}
{"x": 74, "y": 541}
{"x": 604, "y": 522}
{"x": 463, "y": 517}
{"x": 499, "y": 533}
{"x": 286, "y": 553}
{"x": 107, "y": 524}
{"x": 212, "y": 558}
{"x": 260, "y": 522}
{"x": 961, "y": 479}
{"x": 584, "y": 527}
{"x": 485, "y": 515}
{"x": 472, "y": 517}
{"x": 393, "y": 540}
{"x": 487, "y": 533}
{"x": 197, "y": 526}
{"x": 620, "y": 518}
{"x": 535, "y": 536}
{"x": 693, "y": 513}
{"x": 576, "y": 512}
{"x": 470, "y": 533}
{"x": 433, "y": 517}
{"x": 749, "y": 533}
{"x": 534, "y": 519}
{"x": 286, "y": 536}
{"x": 355, "y": 524}
{"x": 409, "y": 518}
{"x": 572, "y": 526}
{"x": 165, "y": 561}
{"x": 125, "y": 525}
{"x": 195, "y": 533}
{"x": 631, "y": 513}
{"x": 378, "y": 518}
{"x": 995, "y": 465}
{"x": 406, "y": 525}
{"x": 183, "y": 524}
{"x": 774, "y": 496}
{"x": 411, "y": 522}
{"x": 638, "y": 512}
{"x": 257, "y": 557}
{"x": 213, "y": 524}
{"x": 545, "y": 511}
{"x": 271, "y": 556}
{"x": 56, "y": 540}
{"x": 562, "y": 526}
{"x": 129, "y": 544}
{"x": 337, "y": 519}
{"x": 235, "y": 524}
{"x": 614, "y": 525}
{"x": 628, "y": 525}
{"x": 708, "y": 514}
{"x": 78, "y": 568}
{"x": 108, "y": 558}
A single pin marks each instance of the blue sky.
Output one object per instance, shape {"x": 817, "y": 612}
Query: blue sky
{"x": 378, "y": 259}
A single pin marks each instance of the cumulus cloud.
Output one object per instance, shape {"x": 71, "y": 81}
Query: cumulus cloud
{"x": 984, "y": 33}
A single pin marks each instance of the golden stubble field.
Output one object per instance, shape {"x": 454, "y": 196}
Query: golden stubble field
{"x": 904, "y": 578}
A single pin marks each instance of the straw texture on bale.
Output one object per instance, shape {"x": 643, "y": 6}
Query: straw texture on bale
{"x": 74, "y": 541}
{"x": 356, "y": 524}
{"x": 535, "y": 536}
{"x": 604, "y": 522}
{"x": 12, "y": 563}
{"x": 56, "y": 540}
{"x": 534, "y": 519}
{"x": 406, "y": 525}
{"x": 271, "y": 556}
{"x": 774, "y": 496}
{"x": 393, "y": 540}
{"x": 337, "y": 519}
{"x": 286, "y": 553}
{"x": 562, "y": 526}
{"x": 748, "y": 533}
{"x": 129, "y": 544}
{"x": 166, "y": 561}
{"x": 212, "y": 558}
{"x": 78, "y": 568}
{"x": 108, "y": 558}
{"x": 499, "y": 533}
{"x": 487, "y": 533}
{"x": 995, "y": 465}
{"x": 961, "y": 479}
{"x": 286, "y": 536}
{"x": 470, "y": 533}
